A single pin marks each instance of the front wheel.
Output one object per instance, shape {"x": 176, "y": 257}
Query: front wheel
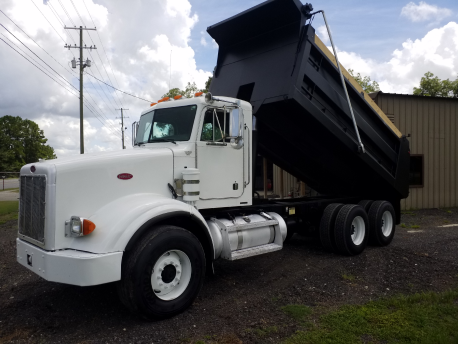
{"x": 162, "y": 276}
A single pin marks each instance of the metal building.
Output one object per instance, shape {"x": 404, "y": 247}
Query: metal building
{"x": 432, "y": 127}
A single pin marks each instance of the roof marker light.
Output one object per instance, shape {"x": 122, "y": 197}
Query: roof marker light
{"x": 178, "y": 97}
{"x": 152, "y": 104}
{"x": 198, "y": 94}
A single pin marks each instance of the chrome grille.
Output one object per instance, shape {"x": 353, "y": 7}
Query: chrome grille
{"x": 32, "y": 207}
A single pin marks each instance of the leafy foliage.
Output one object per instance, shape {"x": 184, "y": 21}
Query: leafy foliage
{"x": 207, "y": 84}
{"x": 432, "y": 86}
{"x": 189, "y": 90}
{"x": 366, "y": 83}
{"x": 21, "y": 142}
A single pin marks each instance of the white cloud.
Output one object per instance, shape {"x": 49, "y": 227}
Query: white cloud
{"x": 424, "y": 12}
{"x": 436, "y": 52}
{"x": 323, "y": 34}
{"x": 137, "y": 36}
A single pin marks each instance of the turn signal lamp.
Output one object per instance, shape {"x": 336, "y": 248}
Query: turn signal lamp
{"x": 152, "y": 104}
{"x": 198, "y": 94}
{"x": 177, "y": 97}
{"x": 78, "y": 226}
{"x": 88, "y": 227}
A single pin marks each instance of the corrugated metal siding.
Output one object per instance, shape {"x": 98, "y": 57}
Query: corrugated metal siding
{"x": 433, "y": 128}
{"x": 289, "y": 182}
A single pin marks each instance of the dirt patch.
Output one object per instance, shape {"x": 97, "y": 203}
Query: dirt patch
{"x": 244, "y": 301}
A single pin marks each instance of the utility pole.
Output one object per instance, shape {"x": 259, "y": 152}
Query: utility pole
{"x": 82, "y": 66}
{"x": 122, "y": 125}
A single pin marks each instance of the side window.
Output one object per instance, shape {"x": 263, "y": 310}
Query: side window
{"x": 221, "y": 126}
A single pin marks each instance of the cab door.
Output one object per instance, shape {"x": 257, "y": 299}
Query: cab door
{"x": 220, "y": 165}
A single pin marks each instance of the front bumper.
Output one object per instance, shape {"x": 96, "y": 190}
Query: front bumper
{"x": 70, "y": 266}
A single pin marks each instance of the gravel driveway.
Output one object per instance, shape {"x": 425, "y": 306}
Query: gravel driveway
{"x": 244, "y": 296}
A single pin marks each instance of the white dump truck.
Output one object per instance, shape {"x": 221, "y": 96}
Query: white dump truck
{"x": 154, "y": 218}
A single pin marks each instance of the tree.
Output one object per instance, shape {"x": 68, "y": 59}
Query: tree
{"x": 21, "y": 142}
{"x": 366, "y": 83}
{"x": 207, "y": 85}
{"x": 432, "y": 86}
{"x": 189, "y": 90}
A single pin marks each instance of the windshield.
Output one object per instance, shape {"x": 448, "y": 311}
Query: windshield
{"x": 171, "y": 124}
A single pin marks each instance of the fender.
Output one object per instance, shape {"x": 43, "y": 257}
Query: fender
{"x": 119, "y": 221}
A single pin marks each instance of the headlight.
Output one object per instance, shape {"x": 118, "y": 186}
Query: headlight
{"x": 78, "y": 226}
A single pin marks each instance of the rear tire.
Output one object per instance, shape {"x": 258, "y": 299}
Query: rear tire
{"x": 382, "y": 223}
{"x": 327, "y": 226}
{"x": 366, "y": 204}
{"x": 163, "y": 275}
{"x": 351, "y": 230}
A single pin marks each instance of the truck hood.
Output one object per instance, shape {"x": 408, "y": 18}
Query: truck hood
{"x": 83, "y": 184}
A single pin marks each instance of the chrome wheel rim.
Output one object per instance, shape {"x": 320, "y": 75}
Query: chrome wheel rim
{"x": 171, "y": 275}
{"x": 387, "y": 223}
{"x": 358, "y": 230}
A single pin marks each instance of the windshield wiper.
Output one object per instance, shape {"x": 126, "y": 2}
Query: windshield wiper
{"x": 161, "y": 139}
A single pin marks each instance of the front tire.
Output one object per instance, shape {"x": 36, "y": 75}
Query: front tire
{"x": 163, "y": 275}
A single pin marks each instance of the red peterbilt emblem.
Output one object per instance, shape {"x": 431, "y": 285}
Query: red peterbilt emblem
{"x": 125, "y": 176}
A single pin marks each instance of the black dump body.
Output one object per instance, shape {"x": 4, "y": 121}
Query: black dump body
{"x": 268, "y": 56}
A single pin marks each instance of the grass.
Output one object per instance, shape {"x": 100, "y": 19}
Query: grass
{"x": 415, "y": 226}
{"x": 297, "y": 312}
{"x": 348, "y": 277}
{"x": 407, "y": 213}
{"x": 263, "y": 331}
{"x": 403, "y": 225}
{"x": 13, "y": 189}
{"x": 419, "y": 318}
{"x": 8, "y": 211}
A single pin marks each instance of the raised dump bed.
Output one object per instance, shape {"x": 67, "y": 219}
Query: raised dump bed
{"x": 269, "y": 56}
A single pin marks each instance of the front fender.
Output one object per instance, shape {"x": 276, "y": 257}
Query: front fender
{"x": 119, "y": 220}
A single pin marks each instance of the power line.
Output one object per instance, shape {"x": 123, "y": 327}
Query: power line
{"x": 38, "y": 56}
{"x": 94, "y": 43}
{"x": 108, "y": 106}
{"x": 149, "y": 101}
{"x": 38, "y": 67}
{"x": 47, "y": 52}
{"x": 100, "y": 39}
{"x": 69, "y": 90}
{"x": 48, "y": 21}
{"x": 54, "y": 12}
{"x": 36, "y": 42}
{"x": 96, "y": 66}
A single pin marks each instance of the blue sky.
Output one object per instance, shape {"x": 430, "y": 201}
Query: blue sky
{"x": 373, "y": 29}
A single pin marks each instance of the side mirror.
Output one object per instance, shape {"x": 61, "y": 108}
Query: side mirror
{"x": 236, "y": 128}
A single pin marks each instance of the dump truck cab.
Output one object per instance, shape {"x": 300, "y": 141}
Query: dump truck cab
{"x": 212, "y": 134}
